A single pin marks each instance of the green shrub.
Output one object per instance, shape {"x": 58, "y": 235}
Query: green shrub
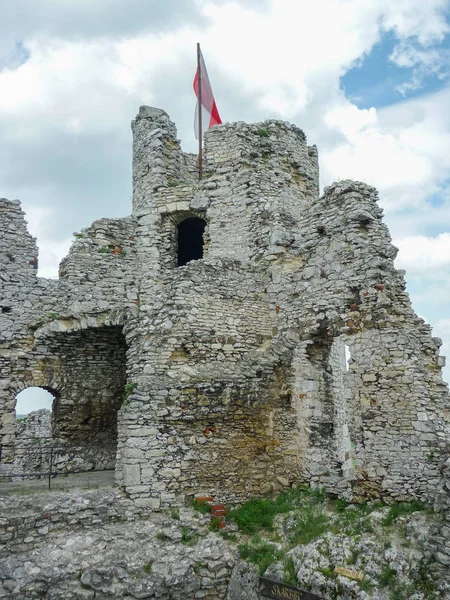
{"x": 254, "y": 515}
{"x": 340, "y": 505}
{"x": 128, "y": 390}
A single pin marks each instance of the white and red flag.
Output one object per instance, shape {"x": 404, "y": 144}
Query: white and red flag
{"x": 202, "y": 88}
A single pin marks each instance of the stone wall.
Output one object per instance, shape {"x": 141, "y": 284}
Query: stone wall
{"x": 32, "y": 443}
{"x": 227, "y": 376}
{"x": 99, "y": 544}
{"x": 66, "y": 336}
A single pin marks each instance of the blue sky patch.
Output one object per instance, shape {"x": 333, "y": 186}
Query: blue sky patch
{"x": 373, "y": 81}
{"x": 18, "y": 57}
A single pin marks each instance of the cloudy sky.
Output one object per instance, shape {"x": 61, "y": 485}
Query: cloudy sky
{"x": 368, "y": 81}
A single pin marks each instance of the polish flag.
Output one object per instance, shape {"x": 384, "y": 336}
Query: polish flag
{"x": 210, "y": 114}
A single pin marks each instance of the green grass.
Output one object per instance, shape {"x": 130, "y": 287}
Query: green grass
{"x": 387, "y": 577}
{"x": 328, "y": 572}
{"x": 400, "y": 509}
{"x": 161, "y": 536}
{"x": 254, "y": 515}
{"x": 188, "y": 537}
{"x": 289, "y": 574}
{"x": 258, "y": 513}
{"x": 308, "y": 515}
{"x": 306, "y": 526}
{"x": 260, "y": 553}
{"x": 214, "y": 525}
{"x": 202, "y": 507}
{"x": 353, "y": 521}
{"x": 148, "y": 567}
{"x": 227, "y": 535}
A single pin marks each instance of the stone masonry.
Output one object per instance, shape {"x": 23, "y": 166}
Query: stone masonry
{"x": 226, "y": 375}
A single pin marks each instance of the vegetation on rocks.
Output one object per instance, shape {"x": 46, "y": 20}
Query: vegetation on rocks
{"x": 333, "y": 547}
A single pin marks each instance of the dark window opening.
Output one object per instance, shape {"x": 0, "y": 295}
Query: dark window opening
{"x": 190, "y": 240}
{"x": 6, "y": 309}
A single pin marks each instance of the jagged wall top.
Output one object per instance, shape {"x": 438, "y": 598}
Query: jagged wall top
{"x": 18, "y": 250}
{"x": 268, "y": 148}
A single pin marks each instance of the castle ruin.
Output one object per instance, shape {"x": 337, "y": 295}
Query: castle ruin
{"x": 201, "y": 345}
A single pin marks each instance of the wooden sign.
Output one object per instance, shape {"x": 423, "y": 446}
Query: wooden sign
{"x": 275, "y": 589}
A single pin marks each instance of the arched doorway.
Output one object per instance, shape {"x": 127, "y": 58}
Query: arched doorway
{"x": 190, "y": 240}
{"x": 33, "y": 441}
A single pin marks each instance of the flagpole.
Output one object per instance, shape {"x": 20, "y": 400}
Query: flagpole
{"x": 200, "y": 131}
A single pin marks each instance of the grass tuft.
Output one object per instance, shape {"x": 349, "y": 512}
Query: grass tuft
{"x": 260, "y": 553}
{"x": 400, "y": 509}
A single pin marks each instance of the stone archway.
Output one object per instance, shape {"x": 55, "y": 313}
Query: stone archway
{"x": 91, "y": 364}
{"x": 84, "y": 367}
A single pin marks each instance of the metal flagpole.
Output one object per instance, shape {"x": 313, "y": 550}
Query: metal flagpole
{"x": 200, "y": 129}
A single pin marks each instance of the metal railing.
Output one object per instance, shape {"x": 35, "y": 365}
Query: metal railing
{"x": 48, "y": 455}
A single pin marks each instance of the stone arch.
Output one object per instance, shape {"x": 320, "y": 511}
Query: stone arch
{"x": 92, "y": 363}
{"x": 190, "y": 241}
{"x": 84, "y": 367}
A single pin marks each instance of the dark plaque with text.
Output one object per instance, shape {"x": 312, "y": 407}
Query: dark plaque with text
{"x": 281, "y": 591}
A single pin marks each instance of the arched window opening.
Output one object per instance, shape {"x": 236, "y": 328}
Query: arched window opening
{"x": 32, "y": 399}
{"x": 190, "y": 240}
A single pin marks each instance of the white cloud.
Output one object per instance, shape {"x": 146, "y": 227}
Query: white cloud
{"x": 421, "y": 255}
{"x": 404, "y": 150}
{"x": 425, "y": 62}
{"x": 51, "y": 252}
{"x": 65, "y": 112}
{"x": 425, "y": 20}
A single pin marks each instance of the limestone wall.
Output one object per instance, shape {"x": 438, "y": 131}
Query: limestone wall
{"x": 32, "y": 443}
{"x": 66, "y": 336}
{"x": 227, "y": 375}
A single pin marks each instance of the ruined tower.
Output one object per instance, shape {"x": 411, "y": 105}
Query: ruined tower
{"x": 199, "y": 346}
